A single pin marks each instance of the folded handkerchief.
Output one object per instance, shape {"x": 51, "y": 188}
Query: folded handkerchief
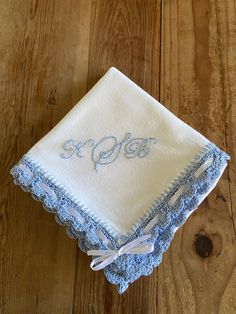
{"x": 123, "y": 174}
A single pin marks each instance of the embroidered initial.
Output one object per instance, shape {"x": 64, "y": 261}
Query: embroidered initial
{"x": 108, "y": 148}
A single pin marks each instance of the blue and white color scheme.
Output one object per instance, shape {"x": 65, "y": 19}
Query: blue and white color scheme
{"x": 122, "y": 173}
{"x": 107, "y": 149}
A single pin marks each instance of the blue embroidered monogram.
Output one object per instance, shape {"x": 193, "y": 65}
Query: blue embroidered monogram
{"x": 107, "y": 150}
{"x": 71, "y": 147}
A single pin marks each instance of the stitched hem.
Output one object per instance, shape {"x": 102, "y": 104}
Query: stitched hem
{"x": 82, "y": 225}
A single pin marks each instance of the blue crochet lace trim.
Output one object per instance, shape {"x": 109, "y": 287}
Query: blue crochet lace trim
{"x": 126, "y": 268}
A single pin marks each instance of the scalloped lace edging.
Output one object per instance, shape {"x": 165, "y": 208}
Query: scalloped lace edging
{"x": 89, "y": 233}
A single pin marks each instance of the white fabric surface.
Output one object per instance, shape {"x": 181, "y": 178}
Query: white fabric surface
{"x": 122, "y": 191}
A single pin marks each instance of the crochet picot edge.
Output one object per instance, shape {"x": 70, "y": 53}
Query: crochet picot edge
{"x": 90, "y": 231}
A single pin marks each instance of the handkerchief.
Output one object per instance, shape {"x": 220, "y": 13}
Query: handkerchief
{"x": 122, "y": 173}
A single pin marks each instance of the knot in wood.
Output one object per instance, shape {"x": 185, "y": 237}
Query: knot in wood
{"x": 203, "y": 245}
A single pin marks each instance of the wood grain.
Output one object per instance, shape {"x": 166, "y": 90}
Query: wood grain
{"x": 196, "y": 84}
{"x": 39, "y": 84}
{"x": 51, "y": 53}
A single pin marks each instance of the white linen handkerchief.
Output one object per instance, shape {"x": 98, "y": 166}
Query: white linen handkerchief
{"x": 123, "y": 174}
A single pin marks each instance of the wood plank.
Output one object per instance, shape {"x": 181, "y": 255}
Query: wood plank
{"x": 51, "y": 53}
{"x": 124, "y": 34}
{"x": 197, "y": 75}
{"x": 43, "y": 73}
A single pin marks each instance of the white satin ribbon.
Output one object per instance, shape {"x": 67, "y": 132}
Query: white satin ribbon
{"x": 106, "y": 257}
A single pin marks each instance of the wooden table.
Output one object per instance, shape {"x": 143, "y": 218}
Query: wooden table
{"x": 51, "y": 53}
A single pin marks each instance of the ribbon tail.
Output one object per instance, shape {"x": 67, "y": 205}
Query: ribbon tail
{"x": 136, "y": 242}
{"x": 143, "y": 248}
{"x": 106, "y": 257}
{"x": 102, "y": 261}
{"x": 100, "y": 252}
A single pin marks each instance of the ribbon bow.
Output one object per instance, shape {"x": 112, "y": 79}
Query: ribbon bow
{"x": 107, "y": 257}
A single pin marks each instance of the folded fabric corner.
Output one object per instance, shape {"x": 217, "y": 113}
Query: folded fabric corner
{"x": 122, "y": 173}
